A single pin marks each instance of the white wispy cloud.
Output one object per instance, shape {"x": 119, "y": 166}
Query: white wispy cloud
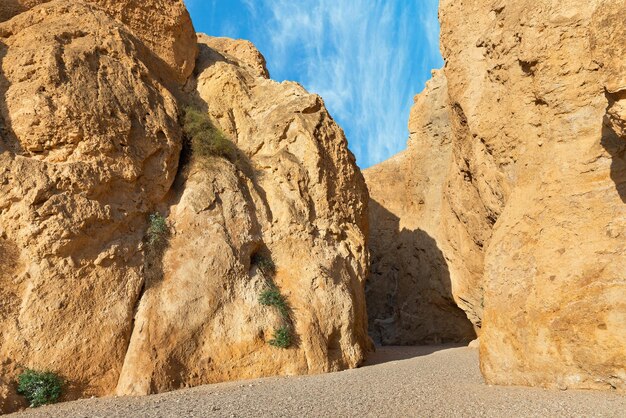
{"x": 366, "y": 58}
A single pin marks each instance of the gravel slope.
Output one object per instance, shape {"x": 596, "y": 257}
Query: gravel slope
{"x": 396, "y": 382}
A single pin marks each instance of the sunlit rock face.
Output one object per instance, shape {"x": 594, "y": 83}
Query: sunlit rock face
{"x": 163, "y": 27}
{"x": 293, "y": 194}
{"x": 91, "y": 144}
{"x": 522, "y": 196}
{"x": 540, "y": 90}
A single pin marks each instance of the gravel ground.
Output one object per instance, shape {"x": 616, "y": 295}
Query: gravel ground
{"x": 395, "y": 382}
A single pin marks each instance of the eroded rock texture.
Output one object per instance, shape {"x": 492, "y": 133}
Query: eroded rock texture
{"x": 90, "y": 146}
{"x": 411, "y": 291}
{"x": 533, "y": 210}
{"x": 163, "y": 26}
{"x": 90, "y": 143}
{"x": 554, "y": 283}
{"x": 294, "y": 194}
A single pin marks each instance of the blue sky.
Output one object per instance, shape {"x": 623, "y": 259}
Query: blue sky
{"x": 366, "y": 58}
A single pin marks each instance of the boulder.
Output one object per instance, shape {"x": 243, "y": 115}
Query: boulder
{"x": 163, "y": 26}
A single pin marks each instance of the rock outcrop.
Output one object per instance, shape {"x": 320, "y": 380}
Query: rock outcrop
{"x": 163, "y": 26}
{"x": 533, "y": 209}
{"x": 91, "y": 145}
{"x": 294, "y": 194}
{"x": 412, "y": 294}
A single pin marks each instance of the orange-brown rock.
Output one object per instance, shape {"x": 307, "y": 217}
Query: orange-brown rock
{"x": 243, "y": 51}
{"x": 90, "y": 143}
{"x": 164, "y": 26}
{"x": 90, "y": 146}
{"x": 554, "y": 309}
{"x": 10, "y": 8}
{"x": 295, "y": 195}
{"x": 414, "y": 289}
{"x": 534, "y": 212}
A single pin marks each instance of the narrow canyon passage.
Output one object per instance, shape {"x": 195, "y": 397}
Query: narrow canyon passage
{"x": 503, "y": 218}
{"x": 409, "y": 292}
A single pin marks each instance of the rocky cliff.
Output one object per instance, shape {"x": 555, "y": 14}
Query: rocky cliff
{"x": 529, "y": 217}
{"x": 134, "y": 261}
{"x": 92, "y": 102}
{"x": 292, "y": 194}
{"x": 413, "y": 296}
{"x": 163, "y": 27}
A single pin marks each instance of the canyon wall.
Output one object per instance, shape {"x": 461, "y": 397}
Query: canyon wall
{"x": 530, "y": 215}
{"x": 90, "y": 144}
{"x": 413, "y": 296}
{"x": 163, "y": 27}
{"x": 293, "y": 194}
{"x": 92, "y": 99}
{"x": 505, "y": 217}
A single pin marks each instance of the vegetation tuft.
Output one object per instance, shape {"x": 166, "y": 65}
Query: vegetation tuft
{"x": 39, "y": 388}
{"x": 271, "y": 296}
{"x": 204, "y": 138}
{"x": 158, "y": 231}
{"x": 265, "y": 264}
{"x": 282, "y": 337}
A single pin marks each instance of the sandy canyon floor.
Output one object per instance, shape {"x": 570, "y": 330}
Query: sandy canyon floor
{"x": 438, "y": 381}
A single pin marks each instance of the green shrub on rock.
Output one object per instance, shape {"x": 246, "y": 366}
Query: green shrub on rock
{"x": 158, "y": 231}
{"x": 39, "y": 388}
{"x": 204, "y": 138}
{"x": 271, "y": 296}
{"x": 282, "y": 337}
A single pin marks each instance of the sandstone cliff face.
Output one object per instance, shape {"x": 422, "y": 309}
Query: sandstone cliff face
{"x": 90, "y": 145}
{"x": 163, "y": 26}
{"x": 75, "y": 187}
{"x": 412, "y": 293}
{"x": 554, "y": 308}
{"x": 533, "y": 209}
{"x": 294, "y": 195}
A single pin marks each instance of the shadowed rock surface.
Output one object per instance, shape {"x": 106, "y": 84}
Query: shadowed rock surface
{"x": 416, "y": 285}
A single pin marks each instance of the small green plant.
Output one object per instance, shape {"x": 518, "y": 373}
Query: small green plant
{"x": 39, "y": 388}
{"x": 157, "y": 231}
{"x": 266, "y": 265}
{"x": 271, "y": 297}
{"x": 204, "y": 138}
{"x": 282, "y": 337}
